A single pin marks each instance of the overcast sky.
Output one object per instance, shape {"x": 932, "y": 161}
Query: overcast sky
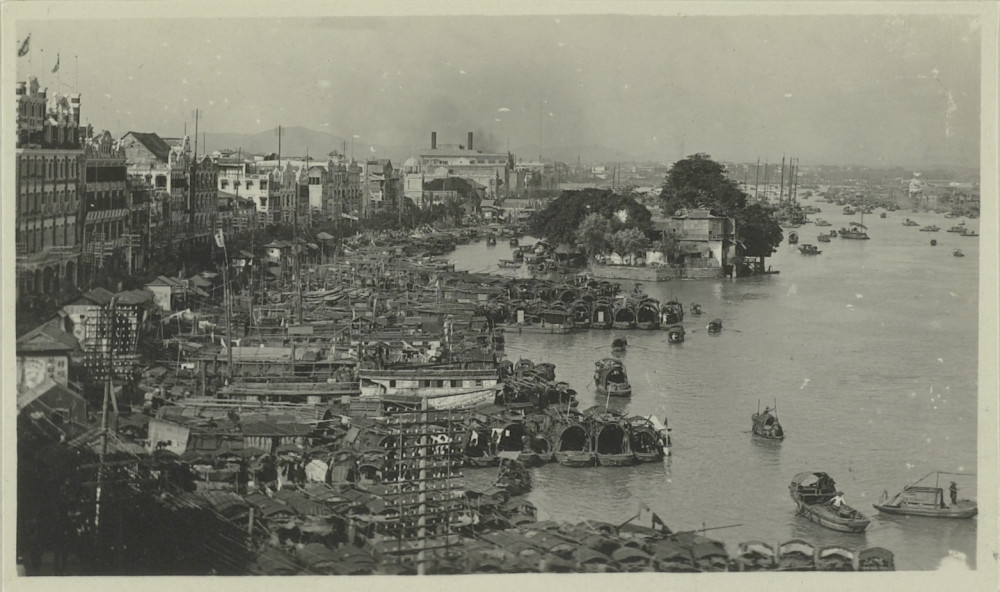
{"x": 873, "y": 90}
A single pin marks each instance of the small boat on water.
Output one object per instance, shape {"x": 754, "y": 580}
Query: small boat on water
{"x": 491, "y": 240}
{"x": 931, "y": 228}
{"x": 756, "y": 556}
{"x": 647, "y": 314}
{"x": 648, "y": 444}
{"x": 882, "y": 215}
{"x": 848, "y": 211}
{"x": 574, "y": 447}
{"x": 611, "y": 442}
{"x": 696, "y": 309}
{"x": 968, "y": 232}
{"x": 876, "y": 559}
{"x": 910, "y": 223}
{"x": 611, "y": 378}
{"x": 672, "y": 313}
{"x": 624, "y": 314}
{"x": 715, "y": 326}
{"x": 816, "y": 496}
{"x": 796, "y": 555}
{"x": 834, "y": 558}
{"x": 766, "y": 424}
{"x": 512, "y": 476}
{"x": 856, "y": 231}
{"x": 793, "y": 238}
{"x": 675, "y": 334}
{"x": 808, "y": 249}
{"x": 509, "y": 263}
{"x": 916, "y": 500}
{"x": 823, "y": 238}
{"x": 833, "y": 234}
{"x": 958, "y": 253}
{"x": 602, "y": 315}
{"x": 514, "y": 242}
{"x": 822, "y": 222}
{"x": 619, "y": 345}
{"x": 959, "y": 228}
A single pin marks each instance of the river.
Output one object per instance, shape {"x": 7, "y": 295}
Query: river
{"x": 869, "y": 351}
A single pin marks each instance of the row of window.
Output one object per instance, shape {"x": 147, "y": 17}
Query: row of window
{"x": 33, "y": 201}
{"x": 49, "y": 167}
{"x": 58, "y": 235}
{"x": 224, "y": 184}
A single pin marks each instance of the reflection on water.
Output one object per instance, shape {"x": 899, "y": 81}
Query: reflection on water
{"x": 870, "y": 351}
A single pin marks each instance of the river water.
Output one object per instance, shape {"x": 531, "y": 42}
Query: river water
{"x": 869, "y": 351}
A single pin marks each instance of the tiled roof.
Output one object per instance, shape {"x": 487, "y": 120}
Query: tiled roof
{"x": 153, "y": 143}
{"x": 48, "y": 337}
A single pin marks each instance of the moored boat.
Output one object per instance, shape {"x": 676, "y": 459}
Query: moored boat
{"x": 647, "y": 314}
{"x": 808, "y": 249}
{"x": 917, "y": 500}
{"x": 647, "y": 443}
{"x": 834, "y": 558}
{"x": 675, "y": 334}
{"x": 876, "y": 559}
{"x": 602, "y": 315}
{"x": 822, "y": 222}
{"x": 756, "y": 556}
{"x": 910, "y": 223}
{"x": 959, "y": 228}
{"x": 672, "y": 313}
{"x": 796, "y": 555}
{"x": 491, "y": 240}
{"x": 624, "y": 315}
{"x": 574, "y": 447}
{"x": 512, "y": 475}
{"x": 611, "y": 378}
{"x": 815, "y": 495}
{"x": 509, "y": 263}
{"x": 696, "y": 309}
{"x": 931, "y": 228}
{"x": 793, "y": 238}
{"x": 611, "y": 442}
{"x": 823, "y": 238}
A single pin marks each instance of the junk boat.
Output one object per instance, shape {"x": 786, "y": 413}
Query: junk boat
{"x": 756, "y": 556}
{"x": 766, "y": 424}
{"x": 624, "y": 314}
{"x": 675, "y": 334}
{"x": 808, "y": 249}
{"x": 814, "y": 493}
{"x": 574, "y": 447}
{"x": 856, "y": 232}
{"x": 491, "y": 240}
{"x": 793, "y": 238}
{"x": 910, "y": 223}
{"x": 602, "y": 316}
{"x": 672, "y": 313}
{"x": 696, "y": 309}
{"x": 715, "y": 326}
{"x": 619, "y": 345}
{"x": 796, "y": 555}
{"x": 931, "y": 228}
{"x": 611, "y": 378}
{"x": 916, "y": 500}
{"x": 647, "y": 314}
{"x": 834, "y": 558}
{"x": 611, "y": 439}
{"x": 876, "y": 559}
{"x": 648, "y": 440}
{"x": 823, "y": 238}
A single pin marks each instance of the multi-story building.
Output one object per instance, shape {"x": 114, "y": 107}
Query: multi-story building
{"x": 106, "y": 237}
{"x": 48, "y": 151}
{"x": 382, "y": 187}
{"x": 165, "y": 169}
{"x": 491, "y": 170}
{"x": 345, "y": 186}
{"x": 203, "y": 207}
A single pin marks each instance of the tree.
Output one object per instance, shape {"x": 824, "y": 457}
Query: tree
{"x": 559, "y": 221}
{"x": 757, "y": 231}
{"x": 628, "y": 242}
{"x": 699, "y": 182}
{"x": 670, "y": 246}
{"x": 592, "y": 233}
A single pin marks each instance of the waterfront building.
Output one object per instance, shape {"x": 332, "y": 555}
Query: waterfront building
{"x": 48, "y": 217}
{"x": 704, "y": 240}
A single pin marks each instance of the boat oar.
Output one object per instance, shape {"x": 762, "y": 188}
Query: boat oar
{"x": 705, "y": 529}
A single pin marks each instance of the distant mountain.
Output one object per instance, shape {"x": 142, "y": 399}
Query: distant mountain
{"x": 587, "y": 153}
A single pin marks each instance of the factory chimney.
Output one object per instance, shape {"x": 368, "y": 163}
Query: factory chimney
{"x": 434, "y": 140}
{"x": 470, "y": 140}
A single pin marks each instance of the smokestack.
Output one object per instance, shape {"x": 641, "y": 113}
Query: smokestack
{"x": 434, "y": 140}
{"x": 470, "y": 140}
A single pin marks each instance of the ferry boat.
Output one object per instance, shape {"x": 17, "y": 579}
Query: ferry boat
{"x": 814, "y": 493}
{"x": 611, "y": 378}
{"x": 917, "y": 500}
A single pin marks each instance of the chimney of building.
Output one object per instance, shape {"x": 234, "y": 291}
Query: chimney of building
{"x": 470, "y": 140}
{"x": 434, "y": 140}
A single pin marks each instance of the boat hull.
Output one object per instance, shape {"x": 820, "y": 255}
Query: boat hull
{"x": 826, "y": 517}
{"x": 616, "y": 460}
{"x": 958, "y": 510}
{"x": 576, "y": 458}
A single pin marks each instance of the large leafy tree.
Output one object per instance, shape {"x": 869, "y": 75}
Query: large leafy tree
{"x": 698, "y": 182}
{"x": 757, "y": 231}
{"x": 628, "y": 241}
{"x": 559, "y": 221}
{"x": 592, "y": 234}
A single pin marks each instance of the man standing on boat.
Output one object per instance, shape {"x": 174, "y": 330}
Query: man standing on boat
{"x": 838, "y": 500}
{"x": 953, "y": 489}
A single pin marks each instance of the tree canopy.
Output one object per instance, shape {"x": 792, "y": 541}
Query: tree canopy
{"x": 559, "y": 222}
{"x": 698, "y": 182}
{"x": 759, "y": 232}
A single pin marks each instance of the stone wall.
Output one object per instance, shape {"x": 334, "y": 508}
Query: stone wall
{"x": 652, "y": 274}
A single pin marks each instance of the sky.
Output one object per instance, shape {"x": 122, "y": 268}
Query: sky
{"x": 873, "y": 90}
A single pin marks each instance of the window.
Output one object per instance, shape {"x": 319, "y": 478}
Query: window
{"x": 263, "y": 185}
{"x": 224, "y": 183}
{"x": 249, "y": 184}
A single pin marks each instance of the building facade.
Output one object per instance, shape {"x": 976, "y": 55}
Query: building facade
{"x": 48, "y": 227}
{"x": 107, "y": 233}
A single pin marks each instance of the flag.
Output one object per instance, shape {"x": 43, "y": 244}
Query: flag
{"x": 23, "y": 51}
{"x": 219, "y": 238}
{"x": 56, "y": 67}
